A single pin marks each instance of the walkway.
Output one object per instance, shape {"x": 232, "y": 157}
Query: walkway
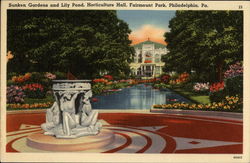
{"x": 144, "y": 132}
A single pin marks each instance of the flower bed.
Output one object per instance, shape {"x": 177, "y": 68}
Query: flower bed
{"x": 232, "y": 103}
{"x": 30, "y": 106}
{"x": 15, "y": 94}
{"x": 34, "y": 90}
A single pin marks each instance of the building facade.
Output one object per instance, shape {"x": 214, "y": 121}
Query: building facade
{"x": 147, "y": 60}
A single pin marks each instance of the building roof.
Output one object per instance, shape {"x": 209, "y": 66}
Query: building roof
{"x": 157, "y": 45}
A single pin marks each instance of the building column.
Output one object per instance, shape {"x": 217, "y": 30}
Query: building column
{"x": 153, "y": 71}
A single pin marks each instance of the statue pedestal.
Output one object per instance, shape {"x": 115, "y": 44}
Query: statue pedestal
{"x": 51, "y": 143}
{"x": 71, "y": 124}
{"x": 71, "y": 116}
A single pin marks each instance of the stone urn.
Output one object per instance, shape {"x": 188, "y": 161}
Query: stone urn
{"x": 71, "y": 115}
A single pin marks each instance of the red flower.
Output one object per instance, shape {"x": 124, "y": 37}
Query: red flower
{"x": 109, "y": 77}
{"x": 215, "y": 87}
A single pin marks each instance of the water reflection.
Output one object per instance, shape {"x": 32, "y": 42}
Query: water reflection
{"x": 136, "y": 97}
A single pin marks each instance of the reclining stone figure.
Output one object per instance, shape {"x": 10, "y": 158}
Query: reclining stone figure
{"x": 63, "y": 121}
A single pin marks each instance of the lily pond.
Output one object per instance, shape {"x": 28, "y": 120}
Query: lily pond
{"x": 136, "y": 97}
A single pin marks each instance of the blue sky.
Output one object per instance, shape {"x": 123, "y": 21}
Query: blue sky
{"x": 146, "y": 24}
{"x": 137, "y": 18}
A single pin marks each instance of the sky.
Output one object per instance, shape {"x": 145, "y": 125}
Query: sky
{"x": 146, "y": 24}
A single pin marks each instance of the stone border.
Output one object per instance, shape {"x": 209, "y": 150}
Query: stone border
{"x": 26, "y": 111}
{"x": 217, "y": 114}
{"x": 99, "y": 110}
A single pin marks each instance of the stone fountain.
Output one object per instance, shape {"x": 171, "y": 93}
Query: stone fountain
{"x": 71, "y": 124}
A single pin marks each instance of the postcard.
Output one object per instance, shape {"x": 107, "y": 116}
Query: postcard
{"x": 125, "y": 81}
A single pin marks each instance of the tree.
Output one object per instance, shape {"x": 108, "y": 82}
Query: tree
{"x": 204, "y": 41}
{"x": 83, "y": 42}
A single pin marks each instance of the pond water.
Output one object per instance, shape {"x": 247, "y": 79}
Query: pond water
{"x": 137, "y": 97}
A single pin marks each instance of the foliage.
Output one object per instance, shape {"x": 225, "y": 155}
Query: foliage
{"x": 10, "y": 82}
{"x": 118, "y": 85}
{"x": 217, "y": 96}
{"x": 234, "y": 86}
{"x": 98, "y": 88}
{"x": 60, "y": 75}
{"x": 160, "y": 86}
{"x": 87, "y": 43}
{"x": 34, "y": 90}
{"x": 205, "y": 42}
{"x": 10, "y": 75}
{"x": 15, "y": 94}
{"x": 36, "y": 77}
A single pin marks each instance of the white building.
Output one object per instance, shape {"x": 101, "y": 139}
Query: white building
{"x": 147, "y": 60}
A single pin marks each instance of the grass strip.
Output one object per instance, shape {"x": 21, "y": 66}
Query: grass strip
{"x": 194, "y": 97}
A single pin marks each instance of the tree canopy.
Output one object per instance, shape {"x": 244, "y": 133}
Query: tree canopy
{"x": 205, "y": 42}
{"x": 84, "y": 42}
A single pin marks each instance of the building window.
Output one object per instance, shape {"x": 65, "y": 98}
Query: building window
{"x": 135, "y": 60}
{"x": 148, "y": 57}
{"x": 140, "y": 58}
{"x": 157, "y": 70}
{"x": 157, "y": 58}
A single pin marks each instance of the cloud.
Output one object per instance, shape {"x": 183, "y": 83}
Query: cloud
{"x": 148, "y": 31}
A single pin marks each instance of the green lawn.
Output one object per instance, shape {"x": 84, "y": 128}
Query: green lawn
{"x": 195, "y": 97}
{"x": 49, "y": 98}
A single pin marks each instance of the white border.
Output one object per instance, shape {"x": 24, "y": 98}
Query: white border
{"x": 75, "y": 157}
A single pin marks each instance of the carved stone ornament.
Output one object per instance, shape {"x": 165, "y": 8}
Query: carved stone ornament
{"x": 71, "y": 115}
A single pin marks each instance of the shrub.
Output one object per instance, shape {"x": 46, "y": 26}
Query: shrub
{"x": 36, "y": 77}
{"x": 160, "y": 86}
{"x": 60, "y": 75}
{"x": 234, "y": 80}
{"x": 15, "y": 94}
{"x": 217, "y": 92}
{"x": 11, "y": 74}
{"x": 34, "y": 90}
{"x": 217, "y": 96}
{"x": 234, "y": 86}
{"x": 98, "y": 88}
{"x": 165, "y": 78}
{"x": 118, "y": 85}
{"x": 10, "y": 82}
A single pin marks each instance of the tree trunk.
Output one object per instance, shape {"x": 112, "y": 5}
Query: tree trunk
{"x": 220, "y": 71}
